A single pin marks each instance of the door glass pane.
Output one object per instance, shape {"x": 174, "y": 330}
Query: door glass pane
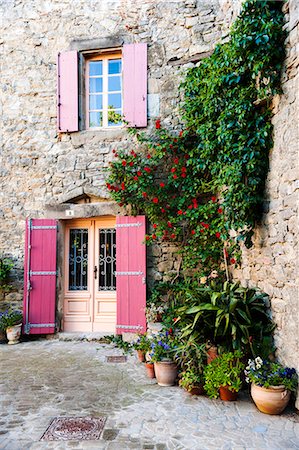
{"x": 78, "y": 259}
{"x": 107, "y": 260}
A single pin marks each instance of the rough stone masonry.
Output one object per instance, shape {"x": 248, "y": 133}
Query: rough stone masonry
{"x": 41, "y": 170}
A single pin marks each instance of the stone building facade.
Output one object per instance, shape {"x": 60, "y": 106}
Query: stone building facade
{"x": 46, "y": 174}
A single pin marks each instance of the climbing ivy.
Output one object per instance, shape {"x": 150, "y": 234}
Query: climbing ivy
{"x": 203, "y": 188}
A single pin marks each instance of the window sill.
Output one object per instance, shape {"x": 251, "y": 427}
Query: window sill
{"x": 98, "y": 134}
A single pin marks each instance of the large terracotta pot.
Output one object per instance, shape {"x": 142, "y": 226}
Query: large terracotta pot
{"x": 13, "y": 334}
{"x": 166, "y": 373}
{"x": 227, "y": 395}
{"x": 272, "y": 400}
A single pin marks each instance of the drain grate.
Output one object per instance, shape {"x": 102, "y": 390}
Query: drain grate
{"x": 116, "y": 359}
{"x": 74, "y": 429}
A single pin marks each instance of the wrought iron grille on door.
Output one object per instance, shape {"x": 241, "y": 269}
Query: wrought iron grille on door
{"x": 78, "y": 259}
{"x": 107, "y": 259}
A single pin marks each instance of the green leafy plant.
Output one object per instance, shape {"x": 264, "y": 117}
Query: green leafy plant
{"x": 191, "y": 379}
{"x": 267, "y": 373}
{"x": 142, "y": 343}
{"x": 163, "y": 347}
{"x": 10, "y": 318}
{"x": 226, "y": 371}
{"x": 6, "y": 265}
{"x": 118, "y": 341}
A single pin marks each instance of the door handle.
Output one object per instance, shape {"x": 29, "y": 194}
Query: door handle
{"x": 95, "y": 271}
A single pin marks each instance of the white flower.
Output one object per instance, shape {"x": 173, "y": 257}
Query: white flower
{"x": 247, "y": 380}
{"x": 259, "y": 360}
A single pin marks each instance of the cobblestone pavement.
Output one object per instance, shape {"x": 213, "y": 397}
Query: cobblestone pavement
{"x": 43, "y": 379}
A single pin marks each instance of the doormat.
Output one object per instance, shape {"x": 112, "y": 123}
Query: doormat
{"x": 74, "y": 429}
{"x": 116, "y": 359}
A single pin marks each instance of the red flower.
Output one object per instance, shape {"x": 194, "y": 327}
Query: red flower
{"x": 158, "y": 124}
{"x": 124, "y": 163}
{"x": 108, "y": 185}
{"x": 176, "y": 160}
{"x": 170, "y": 146}
{"x": 173, "y": 170}
{"x": 148, "y": 156}
{"x": 116, "y": 189}
{"x": 220, "y": 210}
{"x": 144, "y": 194}
{"x": 175, "y": 140}
{"x": 184, "y": 169}
{"x": 116, "y": 155}
{"x": 180, "y": 212}
{"x": 192, "y": 231}
{"x": 123, "y": 186}
{"x": 135, "y": 178}
{"x": 132, "y": 153}
{"x": 131, "y": 163}
{"x": 147, "y": 169}
{"x": 183, "y": 175}
{"x": 139, "y": 173}
{"x": 154, "y": 236}
{"x": 195, "y": 205}
{"x": 190, "y": 206}
{"x": 226, "y": 253}
{"x": 113, "y": 151}
{"x": 202, "y": 230}
{"x": 205, "y": 225}
{"x": 214, "y": 199}
{"x": 174, "y": 177}
{"x": 169, "y": 224}
{"x": 180, "y": 133}
{"x": 155, "y": 225}
{"x": 155, "y": 200}
{"x": 170, "y": 330}
{"x": 186, "y": 156}
{"x": 162, "y": 185}
{"x": 163, "y": 210}
{"x": 233, "y": 261}
{"x": 121, "y": 204}
{"x": 147, "y": 238}
{"x": 194, "y": 200}
{"x": 172, "y": 236}
{"x": 217, "y": 235}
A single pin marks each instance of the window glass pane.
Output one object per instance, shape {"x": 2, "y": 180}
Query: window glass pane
{"x": 114, "y": 100}
{"x": 95, "y": 102}
{"x": 114, "y": 117}
{"x": 78, "y": 259}
{"x": 95, "y": 68}
{"x": 114, "y": 66}
{"x": 95, "y": 119}
{"x": 95, "y": 84}
{"x": 107, "y": 260}
{"x": 114, "y": 83}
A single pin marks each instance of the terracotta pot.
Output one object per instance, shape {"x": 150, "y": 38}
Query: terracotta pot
{"x": 227, "y": 395}
{"x": 196, "y": 390}
{"x": 272, "y": 400}
{"x": 13, "y": 334}
{"x": 212, "y": 353}
{"x": 150, "y": 370}
{"x": 166, "y": 373}
{"x": 141, "y": 355}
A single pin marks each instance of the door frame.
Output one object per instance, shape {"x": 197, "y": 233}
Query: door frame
{"x": 88, "y": 317}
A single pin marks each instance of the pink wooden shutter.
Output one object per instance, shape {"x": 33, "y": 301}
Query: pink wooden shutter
{"x": 67, "y": 91}
{"x": 130, "y": 274}
{"x": 135, "y": 84}
{"x": 40, "y": 276}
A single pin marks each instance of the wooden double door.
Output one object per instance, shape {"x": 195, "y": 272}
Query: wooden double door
{"x": 89, "y": 272}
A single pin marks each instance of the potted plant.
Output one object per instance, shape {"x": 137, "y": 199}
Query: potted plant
{"x": 223, "y": 376}
{"x": 163, "y": 354}
{"x": 150, "y": 369}
{"x": 11, "y": 322}
{"x": 142, "y": 345}
{"x": 192, "y": 381}
{"x": 271, "y": 384}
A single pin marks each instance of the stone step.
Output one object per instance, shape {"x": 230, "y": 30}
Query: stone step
{"x": 79, "y": 336}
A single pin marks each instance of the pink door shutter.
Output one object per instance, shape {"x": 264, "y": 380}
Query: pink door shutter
{"x": 130, "y": 274}
{"x": 135, "y": 84}
{"x": 67, "y": 91}
{"x": 40, "y": 276}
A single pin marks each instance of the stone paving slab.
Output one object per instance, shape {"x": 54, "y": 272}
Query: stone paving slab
{"x": 43, "y": 379}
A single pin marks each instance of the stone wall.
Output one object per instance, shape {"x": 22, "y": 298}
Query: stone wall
{"x": 272, "y": 263}
{"x": 39, "y": 169}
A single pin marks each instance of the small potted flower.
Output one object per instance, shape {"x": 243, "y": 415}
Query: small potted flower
{"x": 223, "y": 376}
{"x": 11, "y": 323}
{"x": 142, "y": 345}
{"x": 163, "y": 354}
{"x": 192, "y": 381}
{"x": 271, "y": 384}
